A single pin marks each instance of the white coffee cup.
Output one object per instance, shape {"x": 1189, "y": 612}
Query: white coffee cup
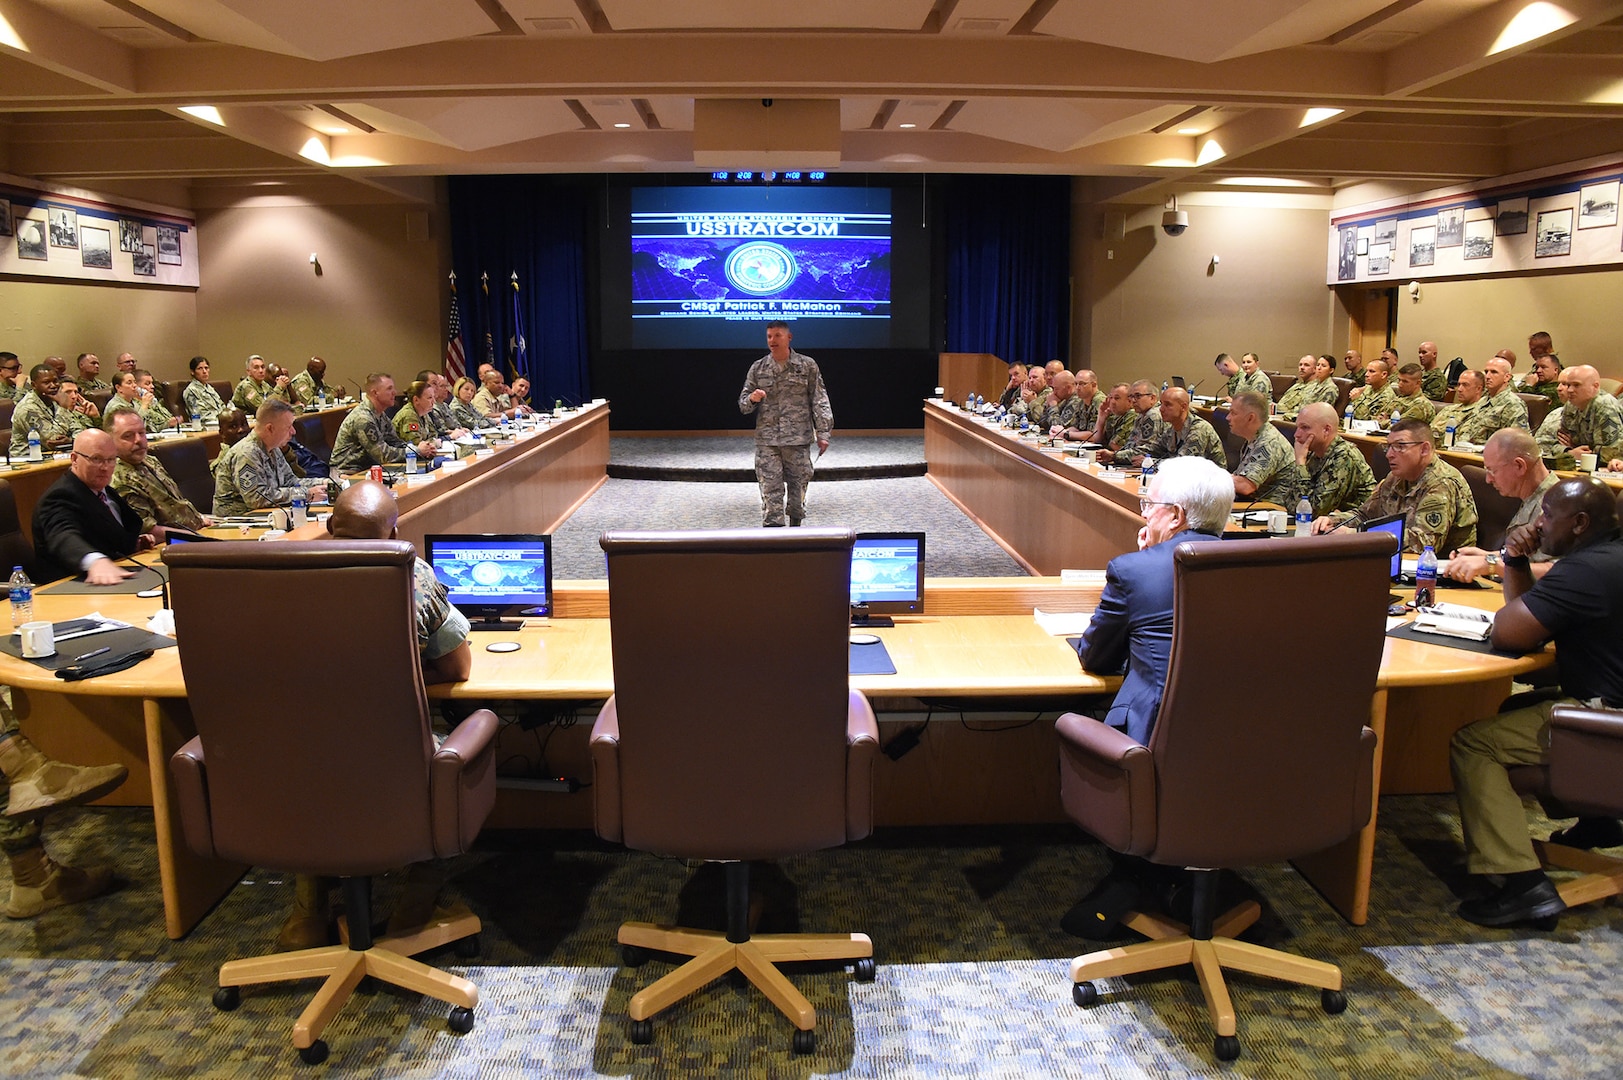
{"x": 38, "y": 640}
{"x": 1586, "y": 462}
{"x": 1277, "y": 522}
{"x": 1088, "y": 457}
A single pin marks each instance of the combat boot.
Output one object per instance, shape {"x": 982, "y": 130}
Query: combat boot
{"x": 39, "y": 884}
{"x": 307, "y": 925}
{"x": 39, "y": 784}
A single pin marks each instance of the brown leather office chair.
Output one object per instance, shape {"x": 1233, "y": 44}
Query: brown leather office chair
{"x": 1494, "y": 511}
{"x": 344, "y": 780}
{"x": 16, "y": 549}
{"x": 733, "y": 734}
{"x": 187, "y": 462}
{"x": 311, "y": 432}
{"x": 1229, "y": 779}
{"x": 1343, "y": 392}
{"x": 1580, "y": 779}
{"x": 1538, "y": 407}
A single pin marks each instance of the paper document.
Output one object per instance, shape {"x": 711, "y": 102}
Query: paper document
{"x": 1454, "y": 620}
{"x": 1062, "y": 623}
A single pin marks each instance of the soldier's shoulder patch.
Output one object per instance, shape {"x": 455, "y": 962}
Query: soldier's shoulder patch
{"x": 1434, "y": 518}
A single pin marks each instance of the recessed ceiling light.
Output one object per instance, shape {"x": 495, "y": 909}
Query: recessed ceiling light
{"x": 1191, "y": 131}
{"x": 622, "y": 124}
{"x": 907, "y": 125}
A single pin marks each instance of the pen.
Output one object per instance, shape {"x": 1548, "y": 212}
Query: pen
{"x": 92, "y": 653}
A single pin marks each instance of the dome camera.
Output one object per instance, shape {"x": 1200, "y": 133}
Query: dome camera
{"x": 1174, "y": 222}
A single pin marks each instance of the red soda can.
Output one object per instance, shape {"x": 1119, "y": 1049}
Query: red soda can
{"x": 376, "y": 472}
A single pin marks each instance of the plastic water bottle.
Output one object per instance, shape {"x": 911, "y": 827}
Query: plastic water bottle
{"x": 1425, "y": 579}
{"x": 197, "y": 420}
{"x": 22, "y": 598}
{"x": 301, "y": 511}
{"x": 1304, "y": 517}
{"x": 1448, "y": 435}
{"x": 411, "y": 460}
{"x": 34, "y": 451}
{"x": 1146, "y": 473}
{"x": 1397, "y": 415}
{"x": 1347, "y": 418}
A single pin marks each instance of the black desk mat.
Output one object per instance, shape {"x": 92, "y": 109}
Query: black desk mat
{"x": 1408, "y": 633}
{"x": 123, "y": 640}
{"x": 870, "y": 659}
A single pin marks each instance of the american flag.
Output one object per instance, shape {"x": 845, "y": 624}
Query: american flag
{"x": 456, "y": 361}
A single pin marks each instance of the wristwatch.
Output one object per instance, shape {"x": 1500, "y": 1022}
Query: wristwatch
{"x": 1493, "y": 558}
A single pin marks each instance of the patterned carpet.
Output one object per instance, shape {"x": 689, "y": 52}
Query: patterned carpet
{"x": 972, "y": 972}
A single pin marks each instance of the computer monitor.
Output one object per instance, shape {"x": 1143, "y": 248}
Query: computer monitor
{"x": 1393, "y": 525}
{"x": 495, "y": 579}
{"x": 887, "y": 577}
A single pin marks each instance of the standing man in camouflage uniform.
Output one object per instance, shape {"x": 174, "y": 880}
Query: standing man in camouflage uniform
{"x": 1591, "y": 419}
{"x": 253, "y": 390}
{"x": 1183, "y": 435}
{"x": 254, "y": 474}
{"x": 1338, "y": 477}
{"x": 1499, "y": 408}
{"x": 366, "y": 437}
{"x": 784, "y": 389}
{"x": 145, "y": 484}
{"x": 1267, "y": 469}
{"x": 1434, "y": 499}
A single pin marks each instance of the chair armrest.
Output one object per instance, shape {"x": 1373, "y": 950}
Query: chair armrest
{"x": 1107, "y": 784}
{"x": 190, "y": 774}
{"x": 861, "y": 749}
{"x": 1363, "y": 807}
{"x": 462, "y": 783}
{"x": 605, "y": 744}
{"x": 1586, "y": 757}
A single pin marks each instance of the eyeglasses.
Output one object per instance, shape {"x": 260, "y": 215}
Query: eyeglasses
{"x": 1146, "y": 393}
{"x": 1145, "y": 504}
{"x": 97, "y": 459}
{"x": 1391, "y": 446}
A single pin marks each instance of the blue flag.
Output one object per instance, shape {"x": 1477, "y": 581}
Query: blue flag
{"x": 518, "y": 354}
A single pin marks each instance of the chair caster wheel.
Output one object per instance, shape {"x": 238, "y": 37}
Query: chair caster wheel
{"x": 314, "y": 1054}
{"x": 633, "y": 956}
{"x": 460, "y": 1020}
{"x": 1226, "y": 1047}
{"x": 805, "y": 1042}
{"x": 1084, "y": 994}
{"x": 864, "y": 970}
{"x": 227, "y": 998}
{"x": 367, "y": 986}
{"x": 467, "y": 948}
{"x": 642, "y": 1032}
{"x": 1334, "y": 1001}
{"x": 737, "y": 980}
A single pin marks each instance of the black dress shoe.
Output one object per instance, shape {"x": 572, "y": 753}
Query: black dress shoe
{"x": 1591, "y": 832}
{"x": 1538, "y": 903}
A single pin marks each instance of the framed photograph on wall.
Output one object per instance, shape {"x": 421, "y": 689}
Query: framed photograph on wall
{"x": 1597, "y": 205}
{"x": 1363, "y": 245}
{"x": 1479, "y": 239}
{"x": 1451, "y": 227}
{"x": 64, "y": 227}
{"x": 1553, "y": 233}
{"x": 31, "y": 238}
{"x": 1346, "y": 252}
{"x": 1511, "y": 219}
{"x": 96, "y": 248}
{"x": 145, "y": 261}
{"x": 129, "y": 235}
{"x": 1380, "y": 258}
{"x": 168, "y": 245}
{"x": 1386, "y": 232}
{"x": 5, "y": 217}
{"x": 1423, "y": 245}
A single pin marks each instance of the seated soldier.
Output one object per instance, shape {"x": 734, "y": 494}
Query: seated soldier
{"x": 146, "y": 485}
{"x": 1500, "y": 406}
{"x": 1467, "y": 400}
{"x": 201, "y": 399}
{"x": 1146, "y": 431}
{"x": 254, "y": 474}
{"x": 366, "y": 438}
{"x": 1410, "y": 402}
{"x": 1338, "y": 477}
{"x": 1183, "y": 435}
{"x": 1438, "y": 509}
{"x": 1116, "y": 419}
{"x": 1267, "y": 470}
{"x": 1314, "y": 382}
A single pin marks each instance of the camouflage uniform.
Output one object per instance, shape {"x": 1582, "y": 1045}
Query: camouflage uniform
{"x": 94, "y": 386}
{"x": 1067, "y": 414}
{"x": 249, "y": 477}
{"x": 444, "y": 421}
{"x": 34, "y": 413}
{"x": 202, "y": 400}
{"x": 466, "y": 416}
{"x": 1551, "y": 390}
{"x": 153, "y": 493}
{"x": 1358, "y": 378}
{"x": 1340, "y": 480}
{"x": 1438, "y": 510}
{"x": 1269, "y": 461}
{"x": 1146, "y": 433}
{"x": 1418, "y": 407}
{"x": 1033, "y": 408}
{"x": 1087, "y": 412}
{"x": 794, "y": 414}
{"x": 365, "y": 439}
{"x": 9, "y": 391}
{"x": 1375, "y": 404}
{"x": 250, "y": 395}
{"x": 1528, "y": 510}
{"x": 1198, "y": 439}
{"x": 1599, "y": 425}
{"x": 413, "y": 427}
{"x": 1502, "y": 410}
{"x": 1301, "y": 393}
{"x": 1118, "y": 428}
{"x": 440, "y": 626}
{"x": 1434, "y": 383}
{"x": 303, "y": 391}
{"x": 17, "y": 834}
{"x": 1455, "y": 413}
{"x": 1548, "y": 443}
{"x": 1256, "y": 382}
{"x": 157, "y": 417}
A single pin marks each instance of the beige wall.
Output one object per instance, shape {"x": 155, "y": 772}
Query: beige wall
{"x": 1151, "y": 305}
{"x": 1476, "y": 318}
{"x": 376, "y": 305}
{"x": 45, "y": 318}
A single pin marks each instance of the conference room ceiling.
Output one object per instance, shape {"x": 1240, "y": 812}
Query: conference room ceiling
{"x": 198, "y": 101}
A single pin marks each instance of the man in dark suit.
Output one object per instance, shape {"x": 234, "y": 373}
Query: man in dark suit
{"x": 81, "y": 524}
{"x": 1131, "y": 633}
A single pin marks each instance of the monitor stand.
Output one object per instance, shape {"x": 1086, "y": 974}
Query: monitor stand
{"x": 498, "y": 625}
{"x": 859, "y": 618}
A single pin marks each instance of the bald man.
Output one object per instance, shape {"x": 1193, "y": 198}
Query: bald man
{"x": 1515, "y": 468}
{"x": 1433, "y": 379}
{"x": 1338, "y": 475}
{"x": 1183, "y": 435}
{"x": 1578, "y": 604}
{"x": 81, "y": 525}
{"x": 1591, "y": 419}
{"x": 1499, "y": 407}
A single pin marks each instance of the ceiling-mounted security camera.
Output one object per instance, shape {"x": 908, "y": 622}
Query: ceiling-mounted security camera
{"x": 1174, "y": 222}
